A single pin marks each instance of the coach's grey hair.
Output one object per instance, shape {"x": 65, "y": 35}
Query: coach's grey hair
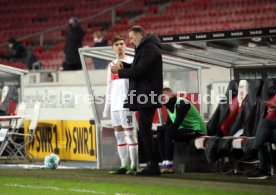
{"x": 138, "y": 29}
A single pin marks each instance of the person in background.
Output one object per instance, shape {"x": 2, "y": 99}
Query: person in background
{"x": 99, "y": 41}
{"x": 18, "y": 51}
{"x": 121, "y": 117}
{"x": 145, "y": 86}
{"x": 30, "y": 59}
{"x": 265, "y": 133}
{"x": 50, "y": 77}
{"x": 73, "y": 42}
{"x": 183, "y": 124}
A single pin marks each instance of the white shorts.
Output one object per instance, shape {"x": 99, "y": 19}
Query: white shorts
{"x": 122, "y": 118}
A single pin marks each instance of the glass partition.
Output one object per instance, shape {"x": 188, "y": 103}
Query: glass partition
{"x": 95, "y": 63}
{"x": 9, "y": 92}
{"x": 181, "y": 79}
{"x": 96, "y": 74}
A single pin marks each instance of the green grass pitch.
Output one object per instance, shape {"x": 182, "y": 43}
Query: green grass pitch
{"x": 89, "y": 181}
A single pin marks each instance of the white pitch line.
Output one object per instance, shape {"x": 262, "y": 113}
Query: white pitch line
{"x": 86, "y": 191}
{"x": 53, "y": 188}
{"x": 122, "y": 194}
{"x": 29, "y": 186}
{"x": 60, "y": 189}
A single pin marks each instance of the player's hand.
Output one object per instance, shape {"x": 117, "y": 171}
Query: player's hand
{"x": 116, "y": 68}
{"x": 119, "y": 65}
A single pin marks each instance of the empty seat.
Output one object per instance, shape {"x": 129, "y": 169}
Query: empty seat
{"x": 222, "y": 112}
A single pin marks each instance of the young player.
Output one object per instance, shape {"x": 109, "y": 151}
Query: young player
{"x": 116, "y": 93}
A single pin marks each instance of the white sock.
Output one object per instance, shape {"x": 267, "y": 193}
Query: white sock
{"x": 122, "y": 147}
{"x": 132, "y": 146}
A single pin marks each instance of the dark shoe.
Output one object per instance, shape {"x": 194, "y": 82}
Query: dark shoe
{"x": 120, "y": 171}
{"x": 257, "y": 174}
{"x": 148, "y": 172}
{"x": 249, "y": 158}
{"x": 151, "y": 170}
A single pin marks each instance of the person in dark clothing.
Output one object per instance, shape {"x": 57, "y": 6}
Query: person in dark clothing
{"x": 266, "y": 132}
{"x": 183, "y": 124}
{"x": 74, "y": 40}
{"x": 145, "y": 86}
{"x": 99, "y": 41}
{"x": 30, "y": 58}
{"x": 18, "y": 51}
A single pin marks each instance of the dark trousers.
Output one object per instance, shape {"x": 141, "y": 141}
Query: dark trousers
{"x": 145, "y": 129}
{"x": 266, "y": 132}
{"x": 167, "y": 138}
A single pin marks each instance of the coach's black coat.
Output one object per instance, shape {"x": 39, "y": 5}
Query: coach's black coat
{"x": 145, "y": 75}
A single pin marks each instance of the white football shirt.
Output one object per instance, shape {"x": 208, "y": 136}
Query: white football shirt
{"x": 117, "y": 89}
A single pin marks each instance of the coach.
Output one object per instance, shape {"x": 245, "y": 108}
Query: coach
{"x": 145, "y": 88}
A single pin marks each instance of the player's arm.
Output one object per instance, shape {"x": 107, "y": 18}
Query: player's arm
{"x": 166, "y": 125}
{"x": 181, "y": 110}
{"x": 126, "y": 65}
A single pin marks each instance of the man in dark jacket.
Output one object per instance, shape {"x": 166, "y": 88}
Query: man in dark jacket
{"x": 183, "y": 124}
{"x": 74, "y": 39}
{"x": 145, "y": 87}
{"x": 18, "y": 51}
